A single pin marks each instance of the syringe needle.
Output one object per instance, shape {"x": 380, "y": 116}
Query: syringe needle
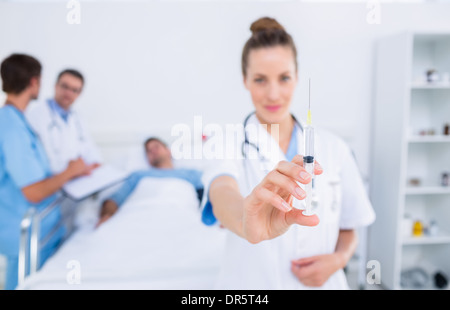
{"x": 309, "y": 95}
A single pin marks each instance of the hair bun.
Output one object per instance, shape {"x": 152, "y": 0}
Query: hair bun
{"x": 265, "y": 23}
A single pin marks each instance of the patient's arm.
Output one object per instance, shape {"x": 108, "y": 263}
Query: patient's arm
{"x": 126, "y": 189}
{"x": 112, "y": 204}
{"x": 109, "y": 207}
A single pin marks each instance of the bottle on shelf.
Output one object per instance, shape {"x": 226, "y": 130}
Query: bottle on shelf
{"x": 445, "y": 181}
{"x": 418, "y": 229}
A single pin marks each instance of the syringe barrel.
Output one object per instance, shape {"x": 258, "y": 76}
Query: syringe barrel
{"x": 309, "y": 141}
{"x": 309, "y": 167}
{"x": 308, "y": 164}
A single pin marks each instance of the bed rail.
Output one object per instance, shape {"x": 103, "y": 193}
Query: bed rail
{"x": 30, "y": 238}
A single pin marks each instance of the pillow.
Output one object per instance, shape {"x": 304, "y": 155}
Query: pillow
{"x": 136, "y": 159}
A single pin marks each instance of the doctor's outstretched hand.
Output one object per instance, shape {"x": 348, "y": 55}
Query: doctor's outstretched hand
{"x": 267, "y": 212}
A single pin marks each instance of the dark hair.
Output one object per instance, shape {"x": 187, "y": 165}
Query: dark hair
{"x": 151, "y": 139}
{"x": 267, "y": 32}
{"x": 73, "y": 72}
{"x": 17, "y": 71}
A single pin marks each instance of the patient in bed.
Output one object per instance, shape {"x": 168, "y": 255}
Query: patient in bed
{"x": 160, "y": 158}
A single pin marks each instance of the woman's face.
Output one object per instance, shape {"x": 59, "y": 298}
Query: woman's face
{"x": 271, "y": 79}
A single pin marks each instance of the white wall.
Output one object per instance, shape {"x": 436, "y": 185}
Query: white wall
{"x": 151, "y": 65}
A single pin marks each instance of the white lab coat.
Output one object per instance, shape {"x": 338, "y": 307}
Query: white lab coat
{"x": 62, "y": 141}
{"x": 342, "y": 204}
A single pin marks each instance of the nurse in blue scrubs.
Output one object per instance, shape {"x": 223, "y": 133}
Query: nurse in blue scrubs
{"x": 25, "y": 178}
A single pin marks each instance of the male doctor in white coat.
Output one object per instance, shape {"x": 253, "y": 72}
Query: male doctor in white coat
{"x": 59, "y": 126}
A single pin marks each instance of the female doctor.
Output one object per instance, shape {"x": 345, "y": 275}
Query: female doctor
{"x": 264, "y": 250}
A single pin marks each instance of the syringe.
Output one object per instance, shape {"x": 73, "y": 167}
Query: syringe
{"x": 308, "y": 157}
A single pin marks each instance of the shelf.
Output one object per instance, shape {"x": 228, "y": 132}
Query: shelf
{"x": 441, "y": 238}
{"x": 429, "y": 139}
{"x": 430, "y": 86}
{"x": 427, "y": 190}
{"x": 423, "y": 108}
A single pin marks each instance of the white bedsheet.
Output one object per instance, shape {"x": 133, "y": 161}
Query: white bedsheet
{"x": 155, "y": 241}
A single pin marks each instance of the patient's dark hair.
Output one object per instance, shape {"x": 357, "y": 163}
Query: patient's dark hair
{"x": 72, "y": 72}
{"x": 17, "y": 71}
{"x": 151, "y": 139}
{"x": 267, "y": 32}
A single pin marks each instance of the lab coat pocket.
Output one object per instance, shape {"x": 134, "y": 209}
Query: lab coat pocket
{"x": 332, "y": 198}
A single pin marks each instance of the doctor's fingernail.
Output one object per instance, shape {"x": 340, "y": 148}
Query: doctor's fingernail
{"x": 286, "y": 206}
{"x": 301, "y": 193}
{"x": 305, "y": 176}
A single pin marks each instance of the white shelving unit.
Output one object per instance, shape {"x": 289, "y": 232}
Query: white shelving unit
{"x": 407, "y": 110}
{"x": 429, "y": 139}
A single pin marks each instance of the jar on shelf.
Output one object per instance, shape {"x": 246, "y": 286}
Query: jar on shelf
{"x": 417, "y": 229}
{"x": 433, "y": 228}
{"x": 432, "y": 76}
{"x": 406, "y": 225}
{"x": 444, "y": 179}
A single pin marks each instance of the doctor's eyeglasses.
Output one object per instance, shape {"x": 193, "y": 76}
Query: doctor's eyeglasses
{"x": 67, "y": 87}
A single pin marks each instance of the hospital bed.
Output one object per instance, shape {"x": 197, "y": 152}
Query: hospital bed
{"x": 155, "y": 241}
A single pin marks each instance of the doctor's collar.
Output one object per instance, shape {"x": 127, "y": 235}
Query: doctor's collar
{"x": 60, "y": 110}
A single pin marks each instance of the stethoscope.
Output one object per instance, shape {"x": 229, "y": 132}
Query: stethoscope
{"x": 54, "y": 125}
{"x": 246, "y": 144}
